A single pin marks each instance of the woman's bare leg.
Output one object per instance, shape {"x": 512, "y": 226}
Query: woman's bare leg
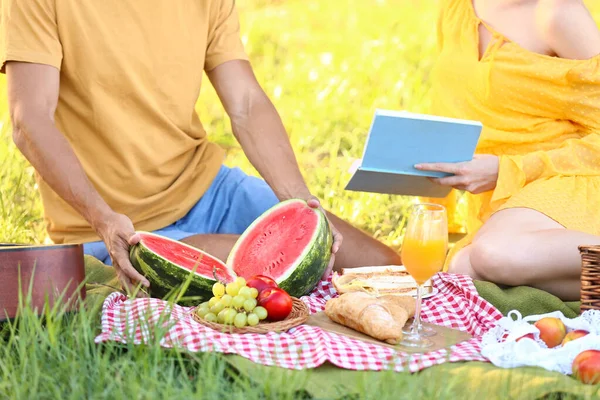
{"x": 524, "y": 247}
{"x": 461, "y": 263}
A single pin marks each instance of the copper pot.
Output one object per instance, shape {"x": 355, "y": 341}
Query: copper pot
{"x": 55, "y": 273}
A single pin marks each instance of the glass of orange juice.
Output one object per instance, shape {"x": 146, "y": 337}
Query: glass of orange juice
{"x": 423, "y": 255}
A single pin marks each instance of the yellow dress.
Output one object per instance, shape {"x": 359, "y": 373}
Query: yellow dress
{"x": 541, "y": 116}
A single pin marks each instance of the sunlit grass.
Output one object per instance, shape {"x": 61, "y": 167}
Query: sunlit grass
{"x": 54, "y": 355}
{"x": 20, "y": 206}
{"x": 326, "y": 65}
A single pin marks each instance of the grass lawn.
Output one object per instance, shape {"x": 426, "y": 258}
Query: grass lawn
{"x": 326, "y": 65}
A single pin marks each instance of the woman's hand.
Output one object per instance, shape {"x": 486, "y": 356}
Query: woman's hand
{"x": 476, "y": 176}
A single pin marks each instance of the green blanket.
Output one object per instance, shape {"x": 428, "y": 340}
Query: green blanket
{"x": 526, "y": 300}
{"x": 449, "y": 380}
{"x": 101, "y": 280}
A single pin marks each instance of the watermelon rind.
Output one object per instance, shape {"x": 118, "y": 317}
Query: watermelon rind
{"x": 166, "y": 277}
{"x": 305, "y": 273}
{"x": 302, "y": 279}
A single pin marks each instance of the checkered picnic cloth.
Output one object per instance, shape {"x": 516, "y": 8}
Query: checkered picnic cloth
{"x": 457, "y": 305}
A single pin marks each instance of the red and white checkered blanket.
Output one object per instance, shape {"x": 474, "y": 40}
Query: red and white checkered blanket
{"x": 457, "y": 305}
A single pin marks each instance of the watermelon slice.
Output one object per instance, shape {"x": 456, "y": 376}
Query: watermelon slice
{"x": 167, "y": 263}
{"x": 290, "y": 243}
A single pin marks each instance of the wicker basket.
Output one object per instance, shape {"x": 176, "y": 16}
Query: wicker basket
{"x": 298, "y": 316}
{"x": 590, "y": 277}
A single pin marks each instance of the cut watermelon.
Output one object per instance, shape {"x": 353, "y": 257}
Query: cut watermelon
{"x": 167, "y": 263}
{"x": 290, "y": 243}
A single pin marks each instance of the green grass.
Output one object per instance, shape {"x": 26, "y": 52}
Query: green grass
{"x": 55, "y": 356}
{"x": 326, "y": 65}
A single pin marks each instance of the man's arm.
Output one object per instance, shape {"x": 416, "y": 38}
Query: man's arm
{"x": 260, "y": 131}
{"x": 33, "y": 95}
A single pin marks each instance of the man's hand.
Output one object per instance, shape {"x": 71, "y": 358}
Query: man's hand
{"x": 32, "y": 98}
{"x": 260, "y": 131}
{"x": 476, "y": 176}
{"x": 337, "y": 236}
{"x": 118, "y": 234}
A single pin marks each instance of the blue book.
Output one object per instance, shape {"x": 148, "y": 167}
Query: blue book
{"x": 398, "y": 140}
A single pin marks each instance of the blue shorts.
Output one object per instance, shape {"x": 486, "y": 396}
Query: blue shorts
{"x": 232, "y": 202}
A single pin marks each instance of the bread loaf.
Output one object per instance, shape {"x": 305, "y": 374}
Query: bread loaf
{"x": 379, "y": 317}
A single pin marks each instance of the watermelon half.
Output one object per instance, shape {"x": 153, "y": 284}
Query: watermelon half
{"x": 168, "y": 263}
{"x": 291, "y": 243}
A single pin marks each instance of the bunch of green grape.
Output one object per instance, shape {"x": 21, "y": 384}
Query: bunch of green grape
{"x": 233, "y": 304}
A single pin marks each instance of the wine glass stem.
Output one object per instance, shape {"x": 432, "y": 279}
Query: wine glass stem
{"x": 417, "y": 321}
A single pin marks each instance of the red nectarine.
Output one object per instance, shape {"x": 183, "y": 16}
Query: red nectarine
{"x": 576, "y": 334}
{"x": 586, "y": 367}
{"x": 552, "y": 331}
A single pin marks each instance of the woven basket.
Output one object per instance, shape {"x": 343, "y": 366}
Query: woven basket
{"x": 590, "y": 277}
{"x": 298, "y": 316}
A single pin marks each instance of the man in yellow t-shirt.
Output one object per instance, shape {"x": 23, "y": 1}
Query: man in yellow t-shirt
{"x": 102, "y": 98}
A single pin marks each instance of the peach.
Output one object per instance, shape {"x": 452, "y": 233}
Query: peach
{"x": 529, "y": 335}
{"x": 552, "y": 331}
{"x": 576, "y": 334}
{"x": 586, "y": 367}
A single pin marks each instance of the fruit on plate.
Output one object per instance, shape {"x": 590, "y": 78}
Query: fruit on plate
{"x": 233, "y": 303}
{"x": 277, "y": 302}
{"x": 552, "y": 331}
{"x": 167, "y": 263}
{"x": 586, "y": 367}
{"x": 290, "y": 243}
{"x": 261, "y": 282}
{"x": 529, "y": 335}
{"x": 573, "y": 335}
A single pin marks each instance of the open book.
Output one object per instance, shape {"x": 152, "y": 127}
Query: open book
{"x": 398, "y": 140}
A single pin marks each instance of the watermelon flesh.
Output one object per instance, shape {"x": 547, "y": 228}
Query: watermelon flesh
{"x": 276, "y": 241}
{"x": 168, "y": 263}
{"x": 290, "y": 243}
{"x": 185, "y": 256}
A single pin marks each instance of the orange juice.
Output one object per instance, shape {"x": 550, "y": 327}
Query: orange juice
{"x": 423, "y": 258}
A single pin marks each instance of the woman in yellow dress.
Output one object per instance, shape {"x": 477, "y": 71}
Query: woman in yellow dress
{"x": 529, "y": 70}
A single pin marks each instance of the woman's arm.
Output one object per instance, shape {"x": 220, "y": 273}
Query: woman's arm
{"x": 571, "y": 32}
{"x": 568, "y": 28}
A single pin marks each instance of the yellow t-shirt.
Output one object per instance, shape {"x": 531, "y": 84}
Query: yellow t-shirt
{"x": 130, "y": 75}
